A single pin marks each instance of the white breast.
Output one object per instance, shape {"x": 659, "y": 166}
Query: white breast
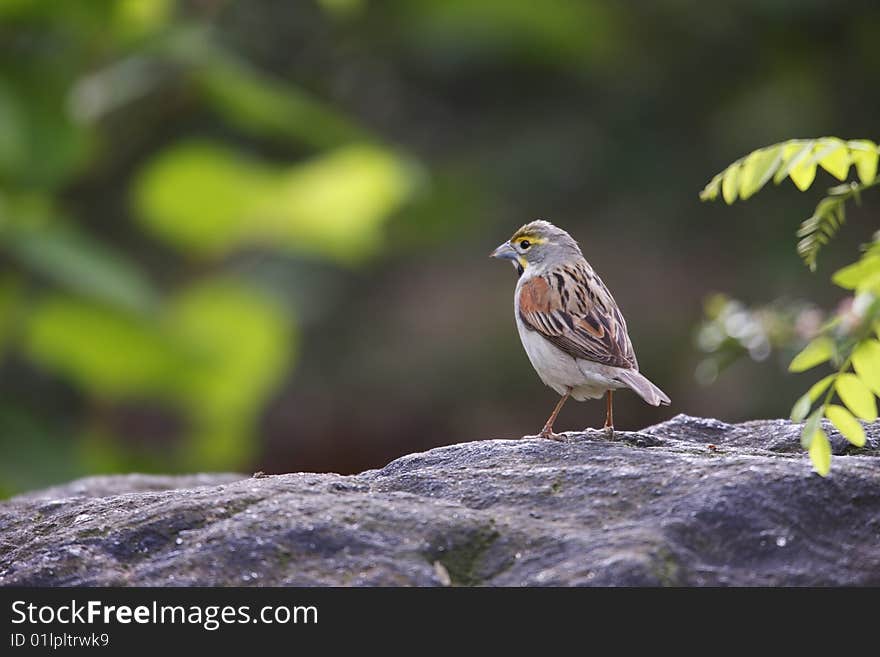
{"x": 559, "y": 370}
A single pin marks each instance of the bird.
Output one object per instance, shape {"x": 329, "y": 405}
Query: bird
{"x": 570, "y": 326}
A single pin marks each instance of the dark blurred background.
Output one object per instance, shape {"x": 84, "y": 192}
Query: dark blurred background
{"x": 253, "y": 235}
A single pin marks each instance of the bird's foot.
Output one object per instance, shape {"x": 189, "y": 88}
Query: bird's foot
{"x": 549, "y": 435}
{"x": 608, "y": 430}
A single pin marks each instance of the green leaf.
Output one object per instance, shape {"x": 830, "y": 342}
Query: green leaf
{"x": 105, "y": 350}
{"x": 211, "y": 200}
{"x": 866, "y": 362}
{"x": 820, "y": 453}
{"x": 261, "y": 105}
{"x": 758, "y": 167}
{"x": 815, "y": 353}
{"x": 803, "y": 174}
{"x": 241, "y": 337}
{"x": 870, "y": 285}
{"x": 824, "y": 213}
{"x": 216, "y": 351}
{"x": 244, "y": 344}
{"x": 811, "y": 426}
{"x": 820, "y": 227}
{"x": 857, "y": 396}
{"x": 11, "y": 302}
{"x": 848, "y": 426}
{"x": 730, "y": 183}
{"x": 801, "y": 408}
{"x": 820, "y": 386}
{"x": 77, "y": 262}
{"x": 852, "y": 276}
{"x": 710, "y": 191}
{"x": 40, "y": 145}
{"x": 864, "y": 155}
{"x": 834, "y": 157}
{"x": 793, "y": 153}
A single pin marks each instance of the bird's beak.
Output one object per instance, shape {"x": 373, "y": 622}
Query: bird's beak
{"x": 505, "y": 252}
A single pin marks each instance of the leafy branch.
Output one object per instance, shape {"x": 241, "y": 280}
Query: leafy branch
{"x": 849, "y": 342}
{"x": 798, "y": 159}
{"x": 856, "y": 389}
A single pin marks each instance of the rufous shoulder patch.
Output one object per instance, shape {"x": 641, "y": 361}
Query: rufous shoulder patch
{"x": 536, "y": 296}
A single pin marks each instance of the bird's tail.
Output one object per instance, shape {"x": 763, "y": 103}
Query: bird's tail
{"x": 645, "y": 389}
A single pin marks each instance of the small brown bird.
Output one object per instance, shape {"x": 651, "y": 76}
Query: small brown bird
{"x": 569, "y": 324}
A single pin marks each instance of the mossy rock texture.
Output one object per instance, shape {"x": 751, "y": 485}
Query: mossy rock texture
{"x": 688, "y": 502}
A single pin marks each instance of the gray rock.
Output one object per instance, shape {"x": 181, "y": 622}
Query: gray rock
{"x": 687, "y": 502}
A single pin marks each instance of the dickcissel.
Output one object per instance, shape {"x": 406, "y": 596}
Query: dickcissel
{"x": 570, "y": 326}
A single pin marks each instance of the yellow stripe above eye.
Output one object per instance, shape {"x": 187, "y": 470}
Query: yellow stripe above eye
{"x": 534, "y": 239}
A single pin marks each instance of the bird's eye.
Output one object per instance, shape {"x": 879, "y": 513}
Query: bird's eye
{"x": 524, "y": 244}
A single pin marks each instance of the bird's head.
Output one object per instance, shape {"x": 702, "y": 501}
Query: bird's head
{"x": 538, "y": 245}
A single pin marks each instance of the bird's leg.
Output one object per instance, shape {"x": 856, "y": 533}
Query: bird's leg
{"x": 609, "y": 414}
{"x": 547, "y": 431}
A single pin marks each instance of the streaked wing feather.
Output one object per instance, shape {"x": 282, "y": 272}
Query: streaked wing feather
{"x": 572, "y": 308}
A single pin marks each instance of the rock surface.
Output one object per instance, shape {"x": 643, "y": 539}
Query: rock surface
{"x": 687, "y": 502}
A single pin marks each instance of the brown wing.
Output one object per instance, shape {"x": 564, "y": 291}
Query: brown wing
{"x": 573, "y": 309}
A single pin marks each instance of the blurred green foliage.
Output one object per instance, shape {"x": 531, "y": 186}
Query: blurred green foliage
{"x": 732, "y": 330}
{"x": 213, "y": 347}
{"x": 333, "y": 205}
